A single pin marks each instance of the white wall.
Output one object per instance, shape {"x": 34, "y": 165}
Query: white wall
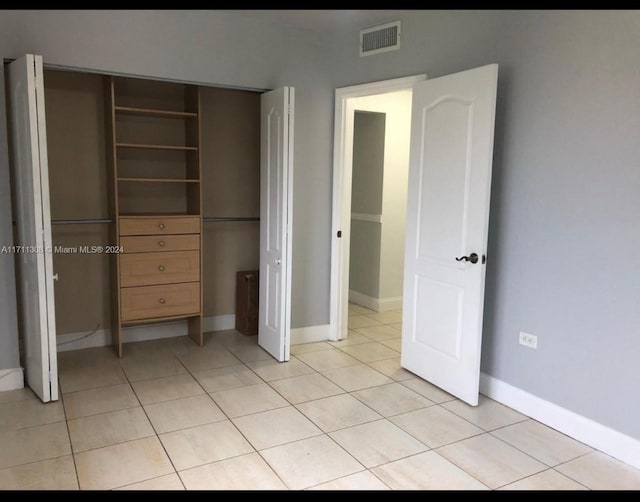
{"x": 397, "y": 108}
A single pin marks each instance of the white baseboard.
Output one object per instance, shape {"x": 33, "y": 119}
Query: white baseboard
{"x": 11, "y": 379}
{"x": 386, "y": 304}
{"x": 219, "y": 323}
{"x": 376, "y": 304}
{"x": 310, "y": 334}
{"x": 594, "y": 434}
{"x": 142, "y": 333}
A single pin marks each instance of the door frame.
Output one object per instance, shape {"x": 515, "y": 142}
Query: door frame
{"x": 341, "y": 197}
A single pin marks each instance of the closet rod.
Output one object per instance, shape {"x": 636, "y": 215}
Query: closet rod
{"x": 79, "y": 222}
{"x": 230, "y": 218}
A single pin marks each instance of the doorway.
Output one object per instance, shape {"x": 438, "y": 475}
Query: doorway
{"x": 372, "y": 134}
{"x": 380, "y": 170}
{"x": 450, "y": 138}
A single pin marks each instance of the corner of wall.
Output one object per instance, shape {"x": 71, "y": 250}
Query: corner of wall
{"x": 11, "y": 379}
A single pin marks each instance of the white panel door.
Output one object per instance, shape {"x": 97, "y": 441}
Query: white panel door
{"x": 276, "y": 182}
{"x": 452, "y": 128}
{"x": 34, "y": 260}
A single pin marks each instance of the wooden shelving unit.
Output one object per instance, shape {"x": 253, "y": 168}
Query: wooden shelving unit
{"x": 158, "y": 285}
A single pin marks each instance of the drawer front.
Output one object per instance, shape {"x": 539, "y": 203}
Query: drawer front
{"x": 160, "y": 226}
{"x": 145, "y": 269}
{"x": 150, "y": 302}
{"x": 150, "y": 243}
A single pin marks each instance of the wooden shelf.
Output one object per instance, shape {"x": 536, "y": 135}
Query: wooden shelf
{"x": 150, "y": 112}
{"x": 159, "y": 180}
{"x": 153, "y": 320}
{"x": 157, "y": 215}
{"x": 158, "y": 147}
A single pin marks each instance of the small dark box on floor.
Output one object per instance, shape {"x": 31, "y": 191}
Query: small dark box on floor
{"x": 247, "y": 302}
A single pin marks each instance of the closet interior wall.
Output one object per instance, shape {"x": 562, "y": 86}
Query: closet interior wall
{"x": 78, "y": 184}
{"x": 230, "y": 126}
{"x": 78, "y": 170}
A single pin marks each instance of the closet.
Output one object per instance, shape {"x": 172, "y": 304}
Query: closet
{"x": 184, "y": 185}
{"x": 166, "y": 178}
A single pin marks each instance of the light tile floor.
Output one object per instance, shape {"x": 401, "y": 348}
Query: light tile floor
{"x": 339, "y": 415}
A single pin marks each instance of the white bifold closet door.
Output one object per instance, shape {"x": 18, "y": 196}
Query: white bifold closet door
{"x": 34, "y": 260}
{"x": 452, "y": 126}
{"x": 276, "y": 190}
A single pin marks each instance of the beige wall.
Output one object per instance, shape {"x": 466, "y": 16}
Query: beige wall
{"x": 78, "y": 179}
{"x": 231, "y": 187}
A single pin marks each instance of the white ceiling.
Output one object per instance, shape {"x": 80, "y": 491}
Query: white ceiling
{"x": 324, "y": 20}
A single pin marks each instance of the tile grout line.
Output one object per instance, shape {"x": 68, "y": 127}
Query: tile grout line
{"x": 259, "y": 452}
{"x": 364, "y": 468}
{"x": 580, "y": 456}
{"x": 323, "y": 432}
{"x": 541, "y": 472}
{"x": 157, "y": 436}
{"x": 489, "y": 433}
{"x": 73, "y": 456}
{"x": 529, "y": 454}
{"x": 235, "y": 427}
{"x": 435, "y": 450}
{"x": 397, "y": 414}
{"x": 111, "y": 444}
{"x": 379, "y": 478}
{"x": 48, "y": 458}
{"x": 293, "y": 405}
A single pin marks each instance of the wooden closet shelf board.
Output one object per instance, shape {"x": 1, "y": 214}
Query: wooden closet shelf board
{"x": 150, "y": 112}
{"x": 159, "y": 180}
{"x": 158, "y": 147}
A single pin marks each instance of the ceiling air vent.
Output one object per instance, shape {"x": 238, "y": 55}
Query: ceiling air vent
{"x": 382, "y": 38}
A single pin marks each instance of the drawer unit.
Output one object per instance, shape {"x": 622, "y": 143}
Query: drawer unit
{"x": 149, "y": 302}
{"x": 151, "y": 243}
{"x": 158, "y": 225}
{"x": 144, "y": 269}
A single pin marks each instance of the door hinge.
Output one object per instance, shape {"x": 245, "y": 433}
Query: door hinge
{"x": 50, "y": 376}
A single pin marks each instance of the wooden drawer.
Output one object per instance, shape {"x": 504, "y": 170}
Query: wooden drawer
{"x": 149, "y": 243}
{"x": 150, "y": 302}
{"x": 160, "y": 226}
{"x": 145, "y": 269}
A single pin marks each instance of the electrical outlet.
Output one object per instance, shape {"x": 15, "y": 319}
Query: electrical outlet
{"x": 528, "y": 340}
